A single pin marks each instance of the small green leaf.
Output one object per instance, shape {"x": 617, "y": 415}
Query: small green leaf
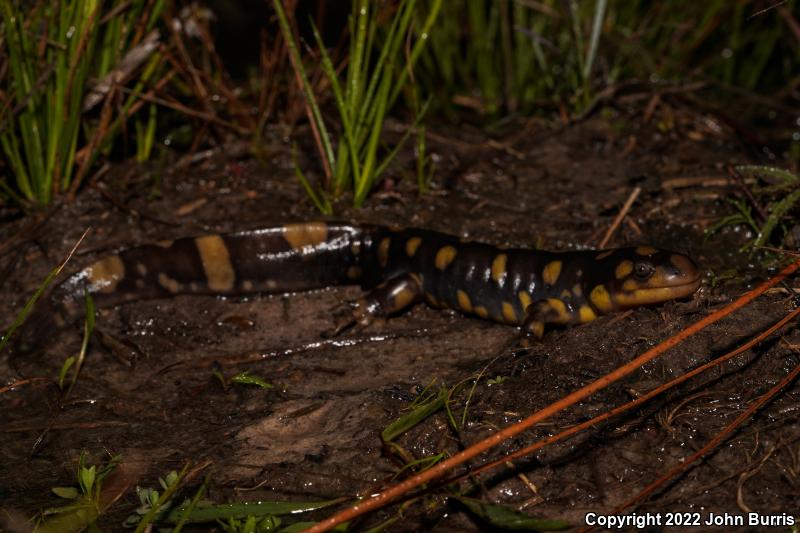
{"x": 502, "y": 517}
{"x": 69, "y": 493}
{"x": 171, "y": 479}
{"x": 417, "y": 415}
{"x": 269, "y": 523}
{"x": 86, "y": 478}
{"x": 62, "y": 375}
{"x": 773, "y": 172}
{"x": 245, "y": 378}
{"x": 70, "y": 518}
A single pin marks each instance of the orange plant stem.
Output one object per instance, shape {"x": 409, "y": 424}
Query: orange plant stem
{"x": 392, "y": 493}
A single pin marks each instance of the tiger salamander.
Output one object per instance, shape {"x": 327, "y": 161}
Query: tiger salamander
{"x": 401, "y": 267}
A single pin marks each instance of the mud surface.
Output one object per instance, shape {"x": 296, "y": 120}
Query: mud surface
{"x": 155, "y": 400}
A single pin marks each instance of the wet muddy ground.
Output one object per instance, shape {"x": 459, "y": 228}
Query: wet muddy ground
{"x": 316, "y": 435}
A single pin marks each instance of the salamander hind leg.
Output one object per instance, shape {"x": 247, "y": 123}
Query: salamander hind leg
{"x": 390, "y": 297}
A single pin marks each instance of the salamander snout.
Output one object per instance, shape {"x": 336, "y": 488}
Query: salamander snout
{"x": 676, "y": 270}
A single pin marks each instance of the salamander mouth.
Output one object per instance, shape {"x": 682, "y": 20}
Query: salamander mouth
{"x": 655, "y": 295}
{"x": 685, "y": 289}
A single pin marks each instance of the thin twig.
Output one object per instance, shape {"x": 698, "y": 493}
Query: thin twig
{"x": 617, "y": 221}
{"x": 20, "y": 382}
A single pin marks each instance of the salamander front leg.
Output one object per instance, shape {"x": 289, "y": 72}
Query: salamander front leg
{"x": 390, "y": 297}
{"x": 543, "y": 312}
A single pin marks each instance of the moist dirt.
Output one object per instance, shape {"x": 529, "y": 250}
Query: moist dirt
{"x": 150, "y": 388}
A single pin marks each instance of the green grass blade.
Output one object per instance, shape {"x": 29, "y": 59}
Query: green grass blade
{"x": 363, "y": 187}
{"x": 417, "y": 49}
{"x": 414, "y": 417}
{"x": 308, "y": 93}
{"x": 362, "y": 123}
{"x": 357, "y": 50}
{"x": 594, "y": 39}
{"x": 208, "y": 513}
{"x": 778, "y": 210}
{"x": 320, "y": 201}
{"x": 774, "y": 172}
{"x": 348, "y": 143}
{"x": 391, "y": 155}
{"x": 88, "y": 329}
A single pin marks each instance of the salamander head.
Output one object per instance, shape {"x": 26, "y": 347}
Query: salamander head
{"x": 630, "y": 277}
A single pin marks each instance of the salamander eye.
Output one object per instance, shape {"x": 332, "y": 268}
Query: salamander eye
{"x": 643, "y": 270}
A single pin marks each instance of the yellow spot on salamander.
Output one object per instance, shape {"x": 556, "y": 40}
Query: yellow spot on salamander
{"x": 565, "y": 294}
{"x": 577, "y": 290}
{"x": 444, "y": 257}
{"x": 305, "y": 234}
{"x": 586, "y": 314}
{"x": 499, "y": 268}
{"x": 603, "y": 255}
{"x": 551, "y": 272}
{"x": 601, "y": 299}
{"x": 463, "y": 301}
{"x": 105, "y": 274}
{"x": 560, "y": 309}
{"x": 630, "y": 285}
{"x": 216, "y": 262}
{"x": 354, "y": 273}
{"x": 412, "y": 244}
{"x": 383, "y": 251}
{"x": 624, "y": 268}
{"x": 481, "y": 311}
{"x": 524, "y": 299}
{"x": 168, "y": 283}
{"x": 247, "y": 286}
{"x": 646, "y": 250}
{"x": 509, "y": 314}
